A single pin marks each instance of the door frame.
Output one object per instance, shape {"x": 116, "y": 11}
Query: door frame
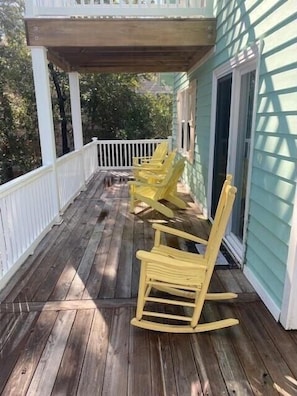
{"x": 242, "y": 63}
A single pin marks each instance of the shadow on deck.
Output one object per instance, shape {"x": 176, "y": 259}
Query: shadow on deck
{"x": 65, "y": 317}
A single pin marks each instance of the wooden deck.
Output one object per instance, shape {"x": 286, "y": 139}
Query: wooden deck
{"x": 64, "y": 320}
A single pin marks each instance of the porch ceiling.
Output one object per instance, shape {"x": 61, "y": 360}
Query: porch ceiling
{"x": 123, "y": 45}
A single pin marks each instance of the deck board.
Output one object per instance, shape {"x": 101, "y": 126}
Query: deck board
{"x": 65, "y": 317}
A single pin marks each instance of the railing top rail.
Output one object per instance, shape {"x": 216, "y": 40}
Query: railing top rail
{"x": 134, "y": 141}
{"x": 118, "y": 8}
{"x": 23, "y": 180}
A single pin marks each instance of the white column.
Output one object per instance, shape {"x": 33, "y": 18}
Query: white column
{"x": 76, "y": 121}
{"x": 76, "y": 110}
{"x": 45, "y": 117}
{"x": 44, "y": 105}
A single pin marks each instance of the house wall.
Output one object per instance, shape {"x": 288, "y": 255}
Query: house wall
{"x": 240, "y": 24}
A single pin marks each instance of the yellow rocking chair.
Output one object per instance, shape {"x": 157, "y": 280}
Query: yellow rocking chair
{"x": 156, "y": 160}
{"x": 183, "y": 277}
{"x": 152, "y": 194}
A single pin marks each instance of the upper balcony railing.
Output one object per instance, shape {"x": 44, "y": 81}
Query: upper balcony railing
{"x": 119, "y": 8}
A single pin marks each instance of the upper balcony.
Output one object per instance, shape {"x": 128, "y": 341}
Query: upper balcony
{"x": 122, "y": 36}
{"x": 119, "y": 8}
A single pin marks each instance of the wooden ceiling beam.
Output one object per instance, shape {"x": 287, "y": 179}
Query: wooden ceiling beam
{"x": 120, "y": 32}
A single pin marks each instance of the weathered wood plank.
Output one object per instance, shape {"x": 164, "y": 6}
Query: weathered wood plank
{"x": 116, "y": 370}
{"x": 68, "y": 375}
{"x": 186, "y": 376}
{"x": 166, "y": 363}
{"x": 98, "y": 276}
{"x": 139, "y": 375}
{"x": 281, "y": 338}
{"x": 157, "y": 385}
{"x": 251, "y": 361}
{"x": 210, "y": 374}
{"x": 64, "y": 306}
{"x": 45, "y": 375}
{"x": 24, "y": 369}
{"x": 79, "y": 282}
{"x": 7, "y": 320}
{"x": 233, "y": 373}
{"x": 108, "y": 288}
{"x": 124, "y": 275}
{"x": 138, "y": 243}
{"x": 244, "y": 284}
{"x": 249, "y": 316}
{"x": 17, "y": 338}
{"x": 92, "y": 374}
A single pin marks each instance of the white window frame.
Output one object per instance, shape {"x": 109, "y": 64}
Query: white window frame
{"x": 186, "y": 117}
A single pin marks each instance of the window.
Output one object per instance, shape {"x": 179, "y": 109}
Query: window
{"x": 186, "y": 110}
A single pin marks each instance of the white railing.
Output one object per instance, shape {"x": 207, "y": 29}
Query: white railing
{"x": 118, "y": 154}
{"x": 70, "y": 177}
{"x": 27, "y": 211}
{"x": 90, "y": 159}
{"x": 29, "y": 207}
{"x": 32, "y": 203}
{"x": 101, "y": 8}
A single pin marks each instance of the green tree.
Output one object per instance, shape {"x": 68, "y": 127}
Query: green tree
{"x": 19, "y": 145}
{"x": 161, "y": 114}
{"x": 111, "y": 108}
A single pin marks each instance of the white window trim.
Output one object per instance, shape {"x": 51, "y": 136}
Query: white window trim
{"x": 186, "y": 112}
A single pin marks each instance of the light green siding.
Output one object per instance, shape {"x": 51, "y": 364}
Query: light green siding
{"x": 240, "y": 24}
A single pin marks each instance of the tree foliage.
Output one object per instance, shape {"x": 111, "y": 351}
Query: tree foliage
{"x": 112, "y": 108}
{"x": 19, "y": 145}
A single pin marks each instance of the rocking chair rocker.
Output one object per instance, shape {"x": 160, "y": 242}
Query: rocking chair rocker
{"x": 184, "y": 276}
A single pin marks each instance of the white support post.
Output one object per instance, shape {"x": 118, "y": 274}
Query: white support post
{"x": 76, "y": 110}
{"x": 76, "y": 120}
{"x": 45, "y": 117}
{"x": 170, "y": 144}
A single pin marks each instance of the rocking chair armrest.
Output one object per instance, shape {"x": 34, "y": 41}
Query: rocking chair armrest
{"x": 138, "y": 183}
{"x": 160, "y": 259}
{"x": 143, "y": 161}
{"x": 135, "y": 183}
{"x": 142, "y": 158}
{"x": 179, "y": 233}
{"x": 148, "y": 168}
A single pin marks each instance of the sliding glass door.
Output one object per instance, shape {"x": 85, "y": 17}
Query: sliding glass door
{"x": 234, "y": 110}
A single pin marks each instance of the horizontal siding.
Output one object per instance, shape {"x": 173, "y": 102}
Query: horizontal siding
{"x": 265, "y": 276}
{"x": 240, "y": 24}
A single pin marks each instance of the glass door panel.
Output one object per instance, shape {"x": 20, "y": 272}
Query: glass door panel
{"x": 247, "y": 88}
{"x": 223, "y": 105}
